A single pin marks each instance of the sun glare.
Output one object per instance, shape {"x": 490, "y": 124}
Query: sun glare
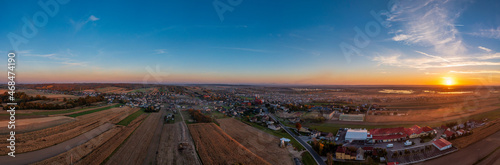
{"x": 448, "y": 81}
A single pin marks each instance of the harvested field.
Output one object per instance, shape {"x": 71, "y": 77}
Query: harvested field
{"x": 27, "y": 125}
{"x": 133, "y": 152}
{"x": 168, "y": 152}
{"x": 101, "y": 153}
{"x": 262, "y": 144}
{"x": 112, "y": 90}
{"x": 216, "y": 147}
{"x": 479, "y": 134}
{"x": 34, "y": 92}
{"x": 461, "y": 110}
{"x": 82, "y": 150}
{"x": 35, "y": 140}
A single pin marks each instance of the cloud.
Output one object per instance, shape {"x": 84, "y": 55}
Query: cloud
{"x": 477, "y": 72}
{"x": 429, "y": 61}
{"x": 428, "y": 24}
{"x": 485, "y": 49}
{"x": 245, "y": 49}
{"x": 93, "y": 18}
{"x": 79, "y": 24}
{"x": 160, "y": 51}
{"x": 488, "y": 33}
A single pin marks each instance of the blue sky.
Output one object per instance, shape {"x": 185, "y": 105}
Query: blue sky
{"x": 258, "y": 42}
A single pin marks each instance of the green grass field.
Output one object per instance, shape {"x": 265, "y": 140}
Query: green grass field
{"x": 217, "y": 115}
{"x": 95, "y": 110}
{"x": 307, "y": 159}
{"x": 131, "y": 117}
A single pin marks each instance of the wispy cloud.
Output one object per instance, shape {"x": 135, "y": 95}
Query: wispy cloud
{"x": 485, "y": 49}
{"x": 488, "y": 33}
{"x": 160, "y": 51}
{"x": 428, "y": 24}
{"x": 477, "y": 72}
{"x": 245, "y": 49}
{"x": 428, "y": 62}
{"x": 79, "y": 24}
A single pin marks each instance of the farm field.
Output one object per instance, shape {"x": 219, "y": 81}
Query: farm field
{"x": 135, "y": 149}
{"x": 34, "y": 92}
{"x": 104, "y": 151}
{"x": 168, "y": 151}
{"x": 77, "y": 153}
{"x": 462, "y": 109}
{"x": 259, "y": 142}
{"x": 112, "y": 90}
{"x": 216, "y": 147}
{"x": 39, "y": 139}
{"x": 479, "y": 134}
{"x": 27, "y": 125}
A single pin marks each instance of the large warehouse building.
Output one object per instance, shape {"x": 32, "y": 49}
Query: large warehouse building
{"x": 356, "y": 134}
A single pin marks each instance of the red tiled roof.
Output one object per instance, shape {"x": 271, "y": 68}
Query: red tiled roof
{"x": 392, "y": 163}
{"x": 427, "y": 129}
{"x": 388, "y": 137}
{"x": 440, "y": 143}
{"x": 387, "y": 131}
{"x": 368, "y": 148}
{"x": 448, "y": 133}
{"x": 413, "y": 130}
{"x": 340, "y": 149}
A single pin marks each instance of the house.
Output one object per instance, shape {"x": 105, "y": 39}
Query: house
{"x": 445, "y": 127}
{"x": 414, "y": 131}
{"x": 274, "y": 127}
{"x": 330, "y": 136}
{"x": 392, "y": 163}
{"x": 345, "y": 153}
{"x": 447, "y": 134}
{"x": 388, "y": 134}
{"x": 284, "y": 142}
{"x": 441, "y": 144}
{"x": 360, "y": 154}
{"x": 427, "y": 130}
{"x": 356, "y": 134}
{"x": 460, "y": 132}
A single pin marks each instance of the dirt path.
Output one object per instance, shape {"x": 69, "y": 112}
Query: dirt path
{"x": 155, "y": 142}
{"x": 39, "y": 155}
{"x": 135, "y": 149}
{"x": 257, "y": 141}
{"x": 168, "y": 152}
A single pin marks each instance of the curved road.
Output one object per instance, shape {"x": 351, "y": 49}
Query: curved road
{"x": 39, "y": 155}
{"x": 315, "y": 155}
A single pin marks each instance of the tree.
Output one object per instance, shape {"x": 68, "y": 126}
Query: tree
{"x": 329, "y": 159}
{"x": 298, "y": 126}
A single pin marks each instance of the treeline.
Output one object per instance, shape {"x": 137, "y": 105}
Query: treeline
{"x": 22, "y": 97}
{"x": 199, "y": 117}
{"x": 67, "y": 103}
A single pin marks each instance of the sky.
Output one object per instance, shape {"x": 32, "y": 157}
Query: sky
{"x": 369, "y": 42}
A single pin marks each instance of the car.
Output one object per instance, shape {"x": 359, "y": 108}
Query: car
{"x": 390, "y": 145}
{"x": 337, "y": 138}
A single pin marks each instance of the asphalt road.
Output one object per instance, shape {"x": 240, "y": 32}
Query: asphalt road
{"x": 472, "y": 153}
{"x": 39, "y": 155}
{"x": 315, "y": 155}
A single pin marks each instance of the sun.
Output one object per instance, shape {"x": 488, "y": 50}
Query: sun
{"x": 448, "y": 81}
